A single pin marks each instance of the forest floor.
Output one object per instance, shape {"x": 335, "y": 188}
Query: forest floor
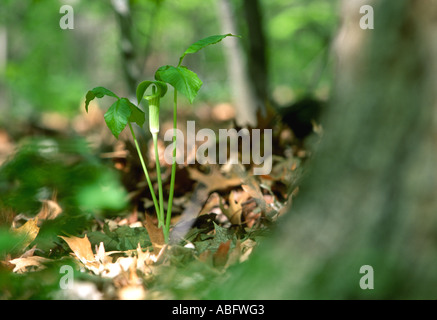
{"x": 221, "y": 214}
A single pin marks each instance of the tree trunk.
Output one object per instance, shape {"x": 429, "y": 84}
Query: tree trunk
{"x": 127, "y": 48}
{"x": 370, "y": 195}
{"x": 3, "y": 48}
{"x": 242, "y": 91}
{"x": 3, "y": 63}
{"x": 257, "y": 55}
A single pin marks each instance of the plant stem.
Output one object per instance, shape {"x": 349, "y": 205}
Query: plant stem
{"x": 158, "y": 174}
{"x": 146, "y": 173}
{"x": 173, "y": 166}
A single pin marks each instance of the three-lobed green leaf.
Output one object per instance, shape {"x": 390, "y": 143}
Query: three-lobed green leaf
{"x": 119, "y": 113}
{"x": 182, "y": 79}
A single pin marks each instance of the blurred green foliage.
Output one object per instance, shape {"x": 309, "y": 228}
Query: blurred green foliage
{"x": 49, "y": 69}
{"x": 46, "y": 165}
{"x": 8, "y": 241}
{"x": 84, "y": 187}
{"x": 45, "y": 69}
{"x": 300, "y": 34}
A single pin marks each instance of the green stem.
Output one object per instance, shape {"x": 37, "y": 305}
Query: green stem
{"x": 173, "y": 166}
{"x": 149, "y": 182}
{"x": 158, "y": 174}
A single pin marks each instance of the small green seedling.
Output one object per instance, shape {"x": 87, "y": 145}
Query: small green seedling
{"x": 123, "y": 113}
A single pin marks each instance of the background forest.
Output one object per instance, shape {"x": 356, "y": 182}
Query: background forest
{"x": 352, "y": 113}
{"x": 55, "y": 158}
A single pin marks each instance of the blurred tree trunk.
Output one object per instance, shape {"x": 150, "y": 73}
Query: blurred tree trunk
{"x": 243, "y": 92}
{"x": 127, "y": 47}
{"x": 3, "y": 48}
{"x": 257, "y": 53}
{"x": 370, "y": 194}
{"x": 3, "y": 62}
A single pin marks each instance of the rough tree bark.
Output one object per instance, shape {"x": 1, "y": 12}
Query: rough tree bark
{"x": 370, "y": 195}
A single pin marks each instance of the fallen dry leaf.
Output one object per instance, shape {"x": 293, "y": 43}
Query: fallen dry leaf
{"x": 213, "y": 201}
{"x": 81, "y": 248}
{"x": 215, "y": 180}
{"x": 21, "y": 264}
{"x": 235, "y": 209}
{"x": 234, "y": 255}
{"x": 101, "y": 263}
{"x": 50, "y": 210}
{"x": 253, "y": 190}
{"x": 251, "y": 218}
{"x": 246, "y": 249}
{"x": 29, "y": 253}
{"x": 220, "y": 257}
{"x": 145, "y": 260}
{"x": 156, "y": 235}
{"x": 102, "y": 256}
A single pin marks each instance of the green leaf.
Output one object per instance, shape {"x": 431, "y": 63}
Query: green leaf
{"x": 198, "y": 45}
{"x": 137, "y": 115}
{"x": 98, "y": 92}
{"x": 221, "y": 235}
{"x": 142, "y": 87}
{"x": 123, "y": 238}
{"x": 182, "y": 79}
{"x": 118, "y": 116}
